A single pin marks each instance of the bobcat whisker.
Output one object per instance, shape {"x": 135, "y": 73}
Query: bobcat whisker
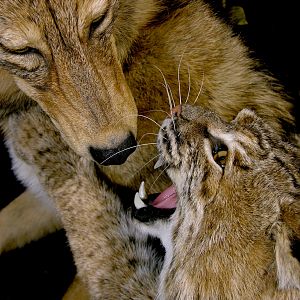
{"x": 148, "y": 162}
{"x": 169, "y": 96}
{"x": 149, "y": 133}
{"x": 139, "y": 115}
{"x": 178, "y": 77}
{"x": 170, "y": 91}
{"x": 172, "y": 118}
{"x": 132, "y": 147}
{"x": 159, "y": 176}
{"x": 166, "y": 85}
{"x": 157, "y": 110}
{"x": 200, "y": 88}
{"x": 178, "y": 133}
{"x": 150, "y": 119}
{"x": 189, "y": 90}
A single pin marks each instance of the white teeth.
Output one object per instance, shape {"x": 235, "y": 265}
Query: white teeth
{"x": 138, "y": 202}
{"x": 158, "y": 164}
{"x": 142, "y": 192}
{"x": 140, "y": 196}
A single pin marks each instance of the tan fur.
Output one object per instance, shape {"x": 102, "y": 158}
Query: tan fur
{"x": 140, "y": 42}
{"x": 65, "y": 81}
{"x": 76, "y": 291}
{"x": 27, "y": 208}
{"x": 97, "y": 240}
{"x": 231, "y": 231}
{"x": 78, "y": 80}
{"x": 230, "y": 235}
{"x": 146, "y": 35}
{"x": 92, "y": 86}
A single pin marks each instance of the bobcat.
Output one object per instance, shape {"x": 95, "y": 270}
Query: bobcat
{"x": 227, "y": 232}
{"x": 237, "y": 208}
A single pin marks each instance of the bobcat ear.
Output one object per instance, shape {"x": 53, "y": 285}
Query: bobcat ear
{"x": 245, "y": 117}
{"x": 288, "y": 266}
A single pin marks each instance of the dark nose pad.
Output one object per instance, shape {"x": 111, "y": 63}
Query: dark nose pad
{"x": 114, "y": 156}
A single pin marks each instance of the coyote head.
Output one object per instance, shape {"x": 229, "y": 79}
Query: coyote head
{"x": 67, "y": 56}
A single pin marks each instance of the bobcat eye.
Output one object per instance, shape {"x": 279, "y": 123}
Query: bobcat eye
{"x": 219, "y": 153}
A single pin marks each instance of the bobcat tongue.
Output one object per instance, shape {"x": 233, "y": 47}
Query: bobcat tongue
{"x": 167, "y": 199}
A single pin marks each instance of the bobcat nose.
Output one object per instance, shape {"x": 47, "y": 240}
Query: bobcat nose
{"x": 176, "y": 111}
{"x": 114, "y": 156}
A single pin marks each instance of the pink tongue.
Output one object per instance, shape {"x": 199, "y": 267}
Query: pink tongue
{"x": 167, "y": 199}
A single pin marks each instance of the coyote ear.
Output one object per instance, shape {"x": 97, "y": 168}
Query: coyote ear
{"x": 288, "y": 266}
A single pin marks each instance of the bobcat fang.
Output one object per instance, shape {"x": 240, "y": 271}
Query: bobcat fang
{"x": 159, "y": 163}
{"x": 142, "y": 192}
{"x": 140, "y": 196}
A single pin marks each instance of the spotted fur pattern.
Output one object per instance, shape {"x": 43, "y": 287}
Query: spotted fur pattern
{"x": 230, "y": 234}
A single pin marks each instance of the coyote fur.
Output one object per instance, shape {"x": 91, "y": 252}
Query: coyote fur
{"x": 101, "y": 69}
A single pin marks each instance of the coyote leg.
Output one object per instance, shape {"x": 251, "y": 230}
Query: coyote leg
{"x": 25, "y": 219}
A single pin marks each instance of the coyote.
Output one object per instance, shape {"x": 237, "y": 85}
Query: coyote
{"x": 102, "y": 70}
{"x": 90, "y": 65}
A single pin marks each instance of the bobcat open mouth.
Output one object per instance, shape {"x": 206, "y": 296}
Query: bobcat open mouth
{"x": 156, "y": 206}
{"x": 165, "y": 200}
{"x": 153, "y": 207}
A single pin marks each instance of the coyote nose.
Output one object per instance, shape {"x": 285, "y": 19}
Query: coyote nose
{"x": 114, "y": 156}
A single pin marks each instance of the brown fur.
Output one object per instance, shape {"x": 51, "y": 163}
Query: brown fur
{"x": 78, "y": 79}
{"x": 230, "y": 235}
{"x": 82, "y": 80}
{"x": 114, "y": 260}
{"x": 93, "y": 85}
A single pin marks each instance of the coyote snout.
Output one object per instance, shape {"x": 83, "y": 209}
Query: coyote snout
{"x": 114, "y": 156}
{"x": 67, "y": 62}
